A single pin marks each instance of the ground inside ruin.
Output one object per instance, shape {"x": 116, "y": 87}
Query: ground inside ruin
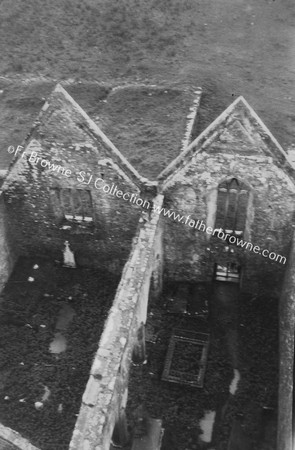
{"x": 237, "y": 405}
{"x": 51, "y": 321}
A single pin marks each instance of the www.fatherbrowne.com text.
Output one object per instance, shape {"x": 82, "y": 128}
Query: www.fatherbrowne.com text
{"x": 100, "y": 184}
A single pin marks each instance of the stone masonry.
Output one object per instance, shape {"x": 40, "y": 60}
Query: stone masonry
{"x": 237, "y": 145}
{"x": 64, "y": 135}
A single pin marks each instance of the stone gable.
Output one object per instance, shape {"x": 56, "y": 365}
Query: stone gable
{"x": 64, "y": 136}
{"x": 237, "y": 145}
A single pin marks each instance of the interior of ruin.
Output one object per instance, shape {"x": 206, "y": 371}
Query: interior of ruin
{"x": 143, "y": 329}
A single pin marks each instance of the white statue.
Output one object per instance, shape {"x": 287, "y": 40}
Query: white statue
{"x": 69, "y": 258}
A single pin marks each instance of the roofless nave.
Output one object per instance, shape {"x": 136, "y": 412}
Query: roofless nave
{"x": 234, "y": 176}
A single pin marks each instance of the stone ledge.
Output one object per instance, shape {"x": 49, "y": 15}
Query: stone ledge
{"x": 96, "y": 418}
{"x": 14, "y": 438}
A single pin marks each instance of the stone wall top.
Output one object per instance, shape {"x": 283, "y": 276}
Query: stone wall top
{"x": 237, "y": 125}
{"x": 62, "y": 122}
{"x": 15, "y": 439}
{"x": 100, "y": 396}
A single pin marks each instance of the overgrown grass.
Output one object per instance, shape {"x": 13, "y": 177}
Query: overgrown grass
{"x": 229, "y": 48}
{"x": 61, "y": 37}
{"x": 28, "y": 319}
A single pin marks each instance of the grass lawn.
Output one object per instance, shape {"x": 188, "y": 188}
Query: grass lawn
{"x": 230, "y": 48}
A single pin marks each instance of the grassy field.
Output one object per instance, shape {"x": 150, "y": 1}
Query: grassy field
{"x": 229, "y": 47}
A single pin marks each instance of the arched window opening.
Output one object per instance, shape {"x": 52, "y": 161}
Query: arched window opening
{"x": 232, "y": 202}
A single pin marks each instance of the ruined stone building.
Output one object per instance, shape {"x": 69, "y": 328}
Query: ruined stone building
{"x": 68, "y": 185}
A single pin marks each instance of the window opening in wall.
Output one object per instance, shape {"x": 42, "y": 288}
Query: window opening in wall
{"x": 76, "y": 204}
{"x": 229, "y": 272}
{"x": 232, "y": 202}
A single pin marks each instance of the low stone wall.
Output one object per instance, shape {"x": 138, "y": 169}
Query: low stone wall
{"x": 7, "y": 255}
{"x": 191, "y": 119}
{"x": 15, "y": 439}
{"x": 286, "y": 356}
{"x": 107, "y": 389}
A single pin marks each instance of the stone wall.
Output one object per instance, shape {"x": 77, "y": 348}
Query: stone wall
{"x": 191, "y": 253}
{"x": 10, "y": 439}
{"x": 7, "y": 253}
{"x": 158, "y": 268}
{"x": 65, "y": 136}
{"x": 106, "y": 393}
{"x": 228, "y": 151}
{"x": 191, "y": 119}
{"x": 286, "y": 356}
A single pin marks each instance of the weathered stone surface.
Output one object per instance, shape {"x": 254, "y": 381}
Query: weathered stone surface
{"x": 236, "y": 145}
{"x": 64, "y": 135}
{"x": 286, "y": 351}
{"x": 7, "y": 252}
{"x": 107, "y": 393}
{"x": 4, "y": 445}
{"x": 11, "y": 440}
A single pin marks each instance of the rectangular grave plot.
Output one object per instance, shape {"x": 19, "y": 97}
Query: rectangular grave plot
{"x": 186, "y": 358}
